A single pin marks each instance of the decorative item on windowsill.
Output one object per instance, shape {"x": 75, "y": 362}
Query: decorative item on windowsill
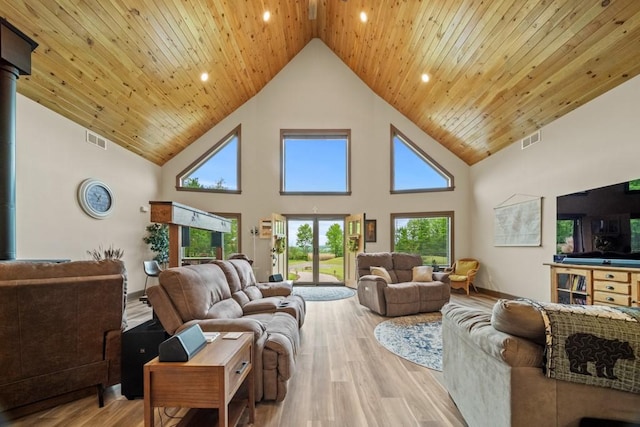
{"x": 353, "y": 244}
{"x": 278, "y": 245}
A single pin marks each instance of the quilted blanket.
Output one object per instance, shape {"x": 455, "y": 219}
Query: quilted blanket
{"x": 595, "y": 345}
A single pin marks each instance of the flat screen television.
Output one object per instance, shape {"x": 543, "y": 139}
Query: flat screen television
{"x": 600, "y": 223}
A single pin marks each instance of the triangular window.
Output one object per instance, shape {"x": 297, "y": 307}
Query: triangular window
{"x": 217, "y": 170}
{"x": 412, "y": 170}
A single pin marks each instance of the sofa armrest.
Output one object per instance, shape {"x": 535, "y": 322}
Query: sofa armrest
{"x": 228, "y": 325}
{"x": 442, "y": 276}
{"x": 373, "y": 280}
{"x": 164, "y": 309}
{"x": 371, "y": 293}
{"x": 474, "y": 326}
{"x": 276, "y": 289}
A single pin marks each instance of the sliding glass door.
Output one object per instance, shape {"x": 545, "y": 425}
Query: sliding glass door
{"x": 315, "y": 250}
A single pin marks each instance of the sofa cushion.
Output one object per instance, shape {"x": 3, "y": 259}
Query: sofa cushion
{"x": 422, "y": 273}
{"x": 196, "y": 289}
{"x": 241, "y": 298}
{"x": 377, "y": 259}
{"x": 245, "y": 272}
{"x": 463, "y": 267}
{"x": 403, "y": 266}
{"x": 518, "y": 318}
{"x": 253, "y": 293}
{"x": 38, "y": 270}
{"x": 231, "y": 274}
{"x": 381, "y": 272}
{"x": 225, "y": 309}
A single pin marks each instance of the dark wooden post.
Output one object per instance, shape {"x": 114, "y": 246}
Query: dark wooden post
{"x": 15, "y": 60}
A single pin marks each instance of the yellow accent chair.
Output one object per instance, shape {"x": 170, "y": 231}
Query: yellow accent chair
{"x": 463, "y": 273}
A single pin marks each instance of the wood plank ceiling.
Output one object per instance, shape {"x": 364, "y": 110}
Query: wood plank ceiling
{"x": 499, "y": 69}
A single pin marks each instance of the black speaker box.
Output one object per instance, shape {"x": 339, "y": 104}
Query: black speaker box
{"x": 139, "y": 345}
{"x": 275, "y": 277}
{"x": 182, "y": 346}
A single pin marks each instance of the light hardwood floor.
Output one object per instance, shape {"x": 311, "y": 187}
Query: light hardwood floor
{"x": 343, "y": 378}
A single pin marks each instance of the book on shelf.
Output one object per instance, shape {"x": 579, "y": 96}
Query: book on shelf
{"x": 579, "y": 283}
{"x": 579, "y": 300}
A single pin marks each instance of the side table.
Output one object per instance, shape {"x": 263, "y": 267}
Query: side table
{"x": 209, "y": 380}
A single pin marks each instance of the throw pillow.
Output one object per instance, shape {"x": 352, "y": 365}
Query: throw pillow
{"x": 422, "y": 273}
{"x": 463, "y": 267}
{"x": 381, "y": 272}
{"x": 518, "y": 318}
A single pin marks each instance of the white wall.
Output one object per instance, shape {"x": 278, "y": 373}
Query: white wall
{"x": 316, "y": 90}
{"x": 595, "y": 145}
{"x": 52, "y": 159}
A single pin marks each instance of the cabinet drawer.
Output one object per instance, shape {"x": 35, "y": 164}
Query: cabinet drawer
{"x": 615, "y": 287}
{"x": 616, "y": 276}
{"x": 236, "y": 370}
{"x": 609, "y": 298}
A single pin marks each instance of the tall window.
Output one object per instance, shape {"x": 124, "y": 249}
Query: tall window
{"x": 412, "y": 170}
{"x": 635, "y": 233}
{"x": 569, "y": 234}
{"x": 315, "y": 162}
{"x": 429, "y": 234}
{"x": 217, "y": 170}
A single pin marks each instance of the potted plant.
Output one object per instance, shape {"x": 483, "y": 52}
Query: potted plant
{"x": 353, "y": 244}
{"x": 158, "y": 240}
{"x": 279, "y": 244}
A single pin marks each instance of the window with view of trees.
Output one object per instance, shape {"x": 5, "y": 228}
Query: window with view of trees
{"x": 200, "y": 241}
{"x": 412, "y": 170}
{"x": 428, "y": 234}
{"x": 217, "y": 170}
{"x": 635, "y": 234}
{"x": 315, "y": 162}
{"x": 634, "y": 185}
{"x": 565, "y": 229}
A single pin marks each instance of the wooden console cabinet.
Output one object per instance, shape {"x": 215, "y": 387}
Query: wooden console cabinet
{"x": 209, "y": 380}
{"x": 595, "y": 284}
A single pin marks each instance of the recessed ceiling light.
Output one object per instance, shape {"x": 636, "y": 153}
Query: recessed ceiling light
{"x": 363, "y": 16}
{"x": 425, "y": 77}
{"x": 266, "y": 16}
{"x": 204, "y": 77}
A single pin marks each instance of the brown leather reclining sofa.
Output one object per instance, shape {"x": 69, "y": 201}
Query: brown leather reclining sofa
{"x": 224, "y": 296}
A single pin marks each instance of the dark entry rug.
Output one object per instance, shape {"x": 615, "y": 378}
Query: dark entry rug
{"x": 323, "y": 293}
{"x": 417, "y": 338}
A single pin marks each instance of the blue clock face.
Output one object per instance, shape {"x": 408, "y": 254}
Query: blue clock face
{"x": 99, "y": 198}
{"x": 95, "y": 198}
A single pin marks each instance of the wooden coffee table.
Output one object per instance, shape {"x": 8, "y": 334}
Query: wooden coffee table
{"x": 209, "y": 380}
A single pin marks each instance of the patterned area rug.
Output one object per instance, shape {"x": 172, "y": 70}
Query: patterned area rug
{"x": 323, "y": 293}
{"x": 417, "y": 338}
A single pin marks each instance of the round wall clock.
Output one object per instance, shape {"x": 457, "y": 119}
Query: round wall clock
{"x": 96, "y": 198}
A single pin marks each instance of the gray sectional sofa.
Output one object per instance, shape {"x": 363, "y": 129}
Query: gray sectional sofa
{"x": 224, "y": 297}
{"x": 496, "y": 378}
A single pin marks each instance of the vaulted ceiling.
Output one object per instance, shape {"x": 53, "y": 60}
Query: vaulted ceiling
{"x": 499, "y": 69}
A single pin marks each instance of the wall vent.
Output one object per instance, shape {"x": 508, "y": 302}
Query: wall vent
{"x": 97, "y": 140}
{"x": 531, "y": 139}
